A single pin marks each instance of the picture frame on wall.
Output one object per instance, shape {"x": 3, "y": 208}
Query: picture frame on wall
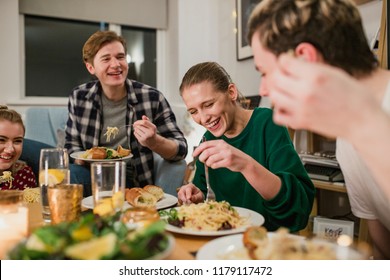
{"x": 244, "y": 9}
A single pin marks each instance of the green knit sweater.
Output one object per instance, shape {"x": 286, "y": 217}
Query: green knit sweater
{"x": 271, "y": 146}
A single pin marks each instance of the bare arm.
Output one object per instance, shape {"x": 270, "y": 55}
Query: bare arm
{"x": 380, "y": 238}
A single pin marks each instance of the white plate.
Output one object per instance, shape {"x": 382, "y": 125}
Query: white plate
{"x": 78, "y": 155}
{"x": 232, "y": 248}
{"x": 223, "y": 248}
{"x": 255, "y": 219}
{"x": 167, "y": 201}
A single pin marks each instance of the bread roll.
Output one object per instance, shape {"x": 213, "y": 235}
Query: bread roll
{"x": 138, "y": 197}
{"x": 252, "y": 238}
{"x": 155, "y": 190}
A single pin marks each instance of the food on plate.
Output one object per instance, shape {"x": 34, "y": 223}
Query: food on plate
{"x": 96, "y": 153}
{"x": 206, "y": 216}
{"x": 6, "y": 178}
{"x": 122, "y": 152}
{"x": 252, "y": 236}
{"x": 91, "y": 238}
{"x": 111, "y": 131}
{"x": 92, "y": 249}
{"x": 157, "y": 191}
{"x": 140, "y": 216}
{"x": 109, "y": 205}
{"x": 284, "y": 246}
{"x": 138, "y": 197}
{"x": 105, "y": 153}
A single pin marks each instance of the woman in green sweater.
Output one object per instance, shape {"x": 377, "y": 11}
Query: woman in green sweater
{"x": 252, "y": 161}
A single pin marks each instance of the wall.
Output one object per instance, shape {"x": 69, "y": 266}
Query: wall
{"x": 102, "y": 10}
{"x": 9, "y": 53}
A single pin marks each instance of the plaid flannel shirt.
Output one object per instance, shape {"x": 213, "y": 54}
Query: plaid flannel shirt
{"x": 84, "y": 124}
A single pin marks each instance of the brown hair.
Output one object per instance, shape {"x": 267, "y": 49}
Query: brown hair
{"x": 334, "y": 27}
{"x": 97, "y": 41}
{"x": 11, "y": 115}
{"x": 211, "y": 72}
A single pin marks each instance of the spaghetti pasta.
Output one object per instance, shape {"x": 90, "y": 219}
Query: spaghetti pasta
{"x": 7, "y": 178}
{"x": 31, "y": 195}
{"x": 111, "y": 131}
{"x": 210, "y": 216}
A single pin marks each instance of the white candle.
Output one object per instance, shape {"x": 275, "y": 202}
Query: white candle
{"x": 13, "y": 225}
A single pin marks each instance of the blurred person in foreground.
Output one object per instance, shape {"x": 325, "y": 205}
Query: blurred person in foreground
{"x": 11, "y": 145}
{"x": 327, "y": 32}
{"x": 252, "y": 162}
{"x": 144, "y": 117}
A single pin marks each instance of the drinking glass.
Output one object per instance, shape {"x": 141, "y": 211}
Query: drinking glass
{"x": 65, "y": 202}
{"x": 108, "y": 181}
{"x": 53, "y": 170}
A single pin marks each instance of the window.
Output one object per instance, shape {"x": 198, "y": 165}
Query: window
{"x": 53, "y": 51}
{"x": 141, "y": 49}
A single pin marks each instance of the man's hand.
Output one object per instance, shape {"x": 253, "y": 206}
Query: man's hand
{"x": 145, "y": 132}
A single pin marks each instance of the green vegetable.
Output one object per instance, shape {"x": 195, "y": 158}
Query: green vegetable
{"x": 77, "y": 240}
{"x": 109, "y": 153}
{"x": 170, "y": 215}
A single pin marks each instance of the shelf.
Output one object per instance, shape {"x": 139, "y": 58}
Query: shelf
{"x": 311, "y": 143}
{"x": 335, "y": 187}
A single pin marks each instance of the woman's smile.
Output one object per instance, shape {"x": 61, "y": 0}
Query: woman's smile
{"x": 6, "y": 157}
{"x": 214, "y": 125}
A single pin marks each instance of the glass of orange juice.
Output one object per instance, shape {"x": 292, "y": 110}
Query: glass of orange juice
{"x": 53, "y": 170}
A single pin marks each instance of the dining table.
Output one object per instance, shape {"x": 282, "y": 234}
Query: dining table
{"x": 185, "y": 246}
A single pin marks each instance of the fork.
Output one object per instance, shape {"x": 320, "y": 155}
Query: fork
{"x": 210, "y": 193}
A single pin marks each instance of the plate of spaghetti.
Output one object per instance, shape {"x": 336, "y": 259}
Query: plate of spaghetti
{"x": 210, "y": 218}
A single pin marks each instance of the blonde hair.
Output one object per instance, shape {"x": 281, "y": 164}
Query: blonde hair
{"x": 12, "y": 116}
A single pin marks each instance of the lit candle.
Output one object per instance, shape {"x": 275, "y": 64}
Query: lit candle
{"x": 13, "y": 220}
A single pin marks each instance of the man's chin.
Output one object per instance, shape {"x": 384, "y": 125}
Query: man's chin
{"x": 117, "y": 83}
